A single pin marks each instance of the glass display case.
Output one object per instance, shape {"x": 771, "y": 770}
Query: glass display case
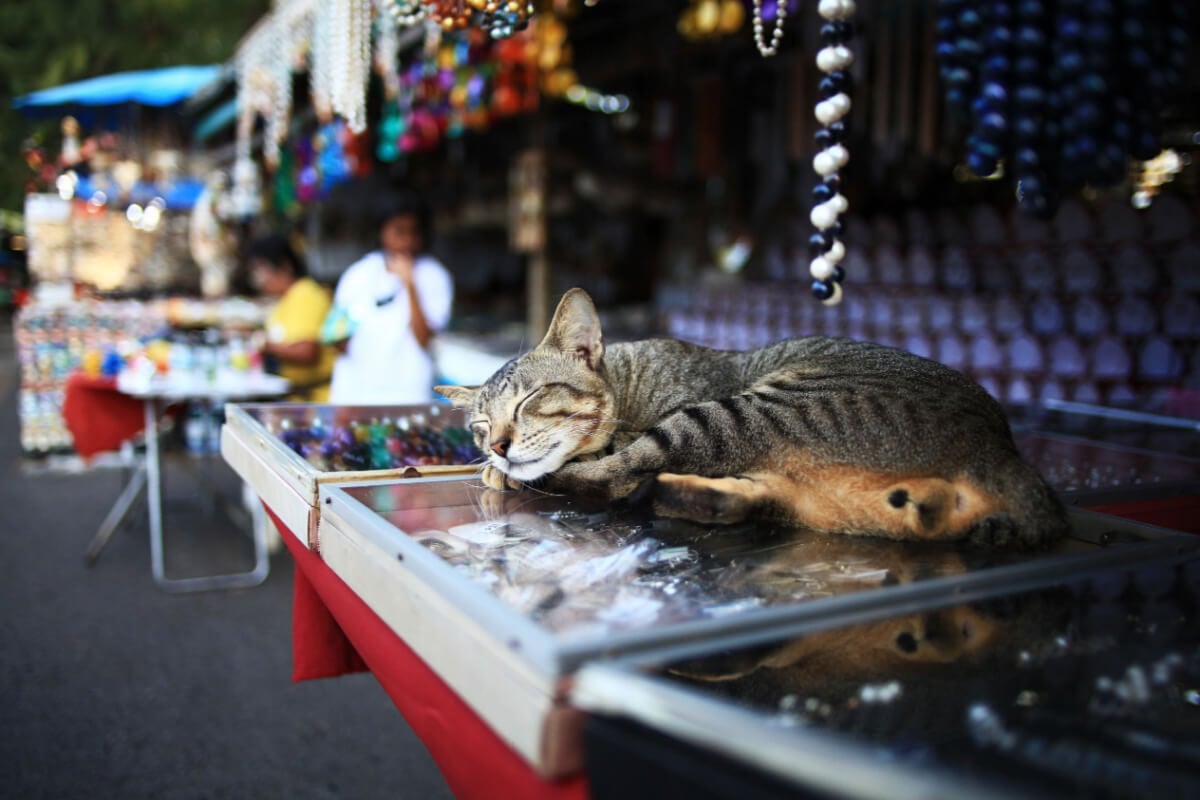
{"x": 506, "y": 594}
{"x": 285, "y": 451}
{"x": 1085, "y": 686}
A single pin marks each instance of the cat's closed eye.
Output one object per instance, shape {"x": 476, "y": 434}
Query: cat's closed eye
{"x": 551, "y": 400}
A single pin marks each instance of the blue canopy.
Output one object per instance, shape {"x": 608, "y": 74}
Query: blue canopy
{"x": 153, "y": 87}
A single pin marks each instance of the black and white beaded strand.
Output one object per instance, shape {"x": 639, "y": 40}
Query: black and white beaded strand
{"x": 833, "y": 59}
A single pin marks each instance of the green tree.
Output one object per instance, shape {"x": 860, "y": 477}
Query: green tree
{"x": 46, "y": 43}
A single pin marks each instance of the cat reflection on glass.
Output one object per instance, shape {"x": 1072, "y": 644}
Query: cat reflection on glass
{"x": 830, "y": 434}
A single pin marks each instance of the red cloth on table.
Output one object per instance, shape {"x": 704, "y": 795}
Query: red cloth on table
{"x": 475, "y": 762}
{"x": 99, "y": 417}
{"x": 1180, "y": 513}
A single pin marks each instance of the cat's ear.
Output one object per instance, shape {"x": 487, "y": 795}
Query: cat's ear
{"x": 575, "y": 329}
{"x": 459, "y": 396}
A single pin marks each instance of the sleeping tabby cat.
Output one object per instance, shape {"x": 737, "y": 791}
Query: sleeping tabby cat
{"x": 831, "y": 434}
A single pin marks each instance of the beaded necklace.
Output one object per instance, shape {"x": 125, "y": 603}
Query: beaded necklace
{"x": 833, "y": 59}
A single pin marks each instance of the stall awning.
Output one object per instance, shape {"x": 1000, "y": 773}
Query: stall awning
{"x": 216, "y": 121}
{"x": 154, "y": 87}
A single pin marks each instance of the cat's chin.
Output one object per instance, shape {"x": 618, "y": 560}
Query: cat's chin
{"x": 529, "y": 470}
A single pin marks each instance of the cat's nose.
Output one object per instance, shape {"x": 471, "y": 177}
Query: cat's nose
{"x": 500, "y": 447}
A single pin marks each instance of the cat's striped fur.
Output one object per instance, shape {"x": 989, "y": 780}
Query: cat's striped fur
{"x": 832, "y": 434}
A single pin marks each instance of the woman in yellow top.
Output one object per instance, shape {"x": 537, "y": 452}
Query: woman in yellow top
{"x": 294, "y": 325}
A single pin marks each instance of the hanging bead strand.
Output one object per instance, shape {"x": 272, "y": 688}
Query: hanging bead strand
{"x": 834, "y": 59}
{"x": 764, "y": 49}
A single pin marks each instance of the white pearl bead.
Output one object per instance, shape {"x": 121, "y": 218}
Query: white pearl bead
{"x": 840, "y": 103}
{"x": 820, "y": 269}
{"x": 836, "y": 253}
{"x": 839, "y": 203}
{"x": 823, "y": 216}
{"x": 834, "y": 58}
{"x": 839, "y": 154}
{"x": 848, "y": 7}
{"x": 827, "y": 59}
{"x": 829, "y": 9}
{"x": 835, "y": 298}
{"x": 826, "y": 113}
{"x": 824, "y": 164}
{"x": 832, "y": 109}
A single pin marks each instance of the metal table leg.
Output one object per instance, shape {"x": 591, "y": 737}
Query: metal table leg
{"x": 235, "y": 580}
{"x": 133, "y": 488}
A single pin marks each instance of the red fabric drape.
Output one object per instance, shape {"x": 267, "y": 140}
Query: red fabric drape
{"x": 99, "y": 417}
{"x": 334, "y": 631}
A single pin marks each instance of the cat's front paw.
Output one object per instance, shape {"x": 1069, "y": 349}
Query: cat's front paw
{"x": 495, "y": 479}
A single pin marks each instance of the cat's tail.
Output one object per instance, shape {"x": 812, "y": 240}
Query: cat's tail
{"x": 1034, "y": 516}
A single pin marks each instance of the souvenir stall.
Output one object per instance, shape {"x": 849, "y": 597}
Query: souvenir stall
{"x": 113, "y": 247}
{"x": 543, "y": 647}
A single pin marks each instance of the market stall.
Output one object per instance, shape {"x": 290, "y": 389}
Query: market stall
{"x": 492, "y": 602}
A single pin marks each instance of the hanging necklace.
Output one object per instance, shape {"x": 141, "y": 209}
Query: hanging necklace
{"x": 776, "y": 29}
{"x": 833, "y": 59}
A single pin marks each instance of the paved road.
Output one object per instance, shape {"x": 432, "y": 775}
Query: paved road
{"x": 111, "y": 688}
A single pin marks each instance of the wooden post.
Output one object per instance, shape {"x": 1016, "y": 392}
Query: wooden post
{"x": 527, "y": 228}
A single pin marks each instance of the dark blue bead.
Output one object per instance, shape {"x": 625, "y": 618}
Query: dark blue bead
{"x": 822, "y": 192}
{"x": 1028, "y": 67}
{"x": 1138, "y": 58}
{"x": 996, "y": 67}
{"x": 980, "y": 164}
{"x": 970, "y": 20}
{"x": 1001, "y": 11}
{"x": 839, "y": 274}
{"x": 1027, "y": 128}
{"x": 981, "y": 105}
{"x": 1098, "y": 34}
{"x": 1101, "y": 8}
{"x": 822, "y": 290}
{"x": 1026, "y": 160}
{"x": 834, "y": 33}
{"x": 1071, "y": 62}
{"x": 837, "y": 131}
{"x": 946, "y": 52}
{"x": 1093, "y": 84}
{"x": 1121, "y": 131}
{"x": 956, "y": 98}
{"x": 1030, "y": 38}
{"x": 946, "y": 26}
{"x": 999, "y": 36}
{"x": 823, "y": 138}
{"x": 1088, "y": 114}
{"x": 1086, "y": 145}
{"x": 1146, "y": 145}
{"x": 1069, "y": 28}
{"x": 819, "y": 243}
{"x": 831, "y": 84}
{"x": 1031, "y": 9}
{"x": 1030, "y": 96}
{"x": 968, "y": 47}
{"x": 993, "y": 123}
{"x": 995, "y": 92}
{"x": 987, "y": 144}
{"x": 1133, "y": 29}
{"x": 958, "y": 77}
{"x": 837, "y": 230}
